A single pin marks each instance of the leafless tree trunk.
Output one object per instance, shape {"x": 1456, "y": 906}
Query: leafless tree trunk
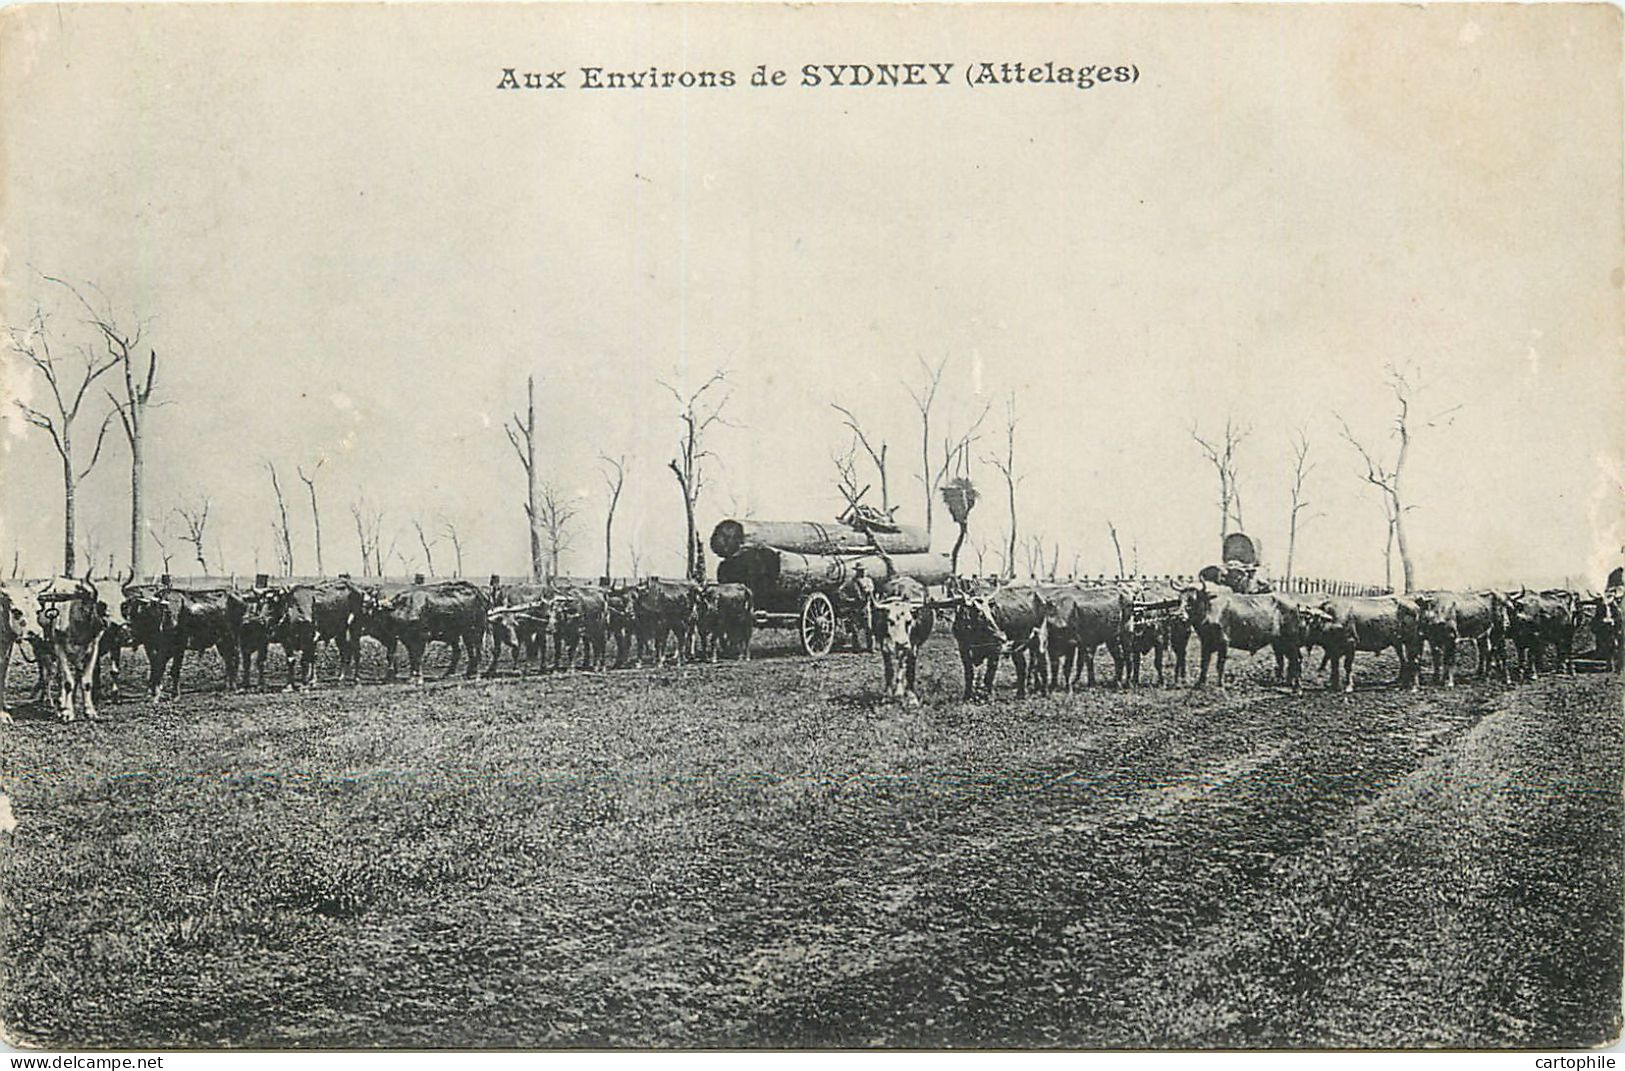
{"x": 369, "y": 526}
{"x": 1117, "y": 546}
{"x": 1007, "y": 467}
{"x": 614, "y": 478}
{"x": 196, "y": 520}
{"x": 526, "y": 430}
{"x": 635, "y": 556}
{"x": 877, "y": 456}
{"x": 448, "y": 530}
{"x": 925, "y": 397}
{"x": 1300, "y": 475}
{"x": 315, "y": 514}
{"x": 1389, "y": 479}
{"x": 16, "y": 561}
{"x": 426, "y": 543}
{"x": 1222, "y": 455}
{"x": 697, "y": 415}
{"x": 285, "y": 546}
{"x": 34, "y": 346}
{"x": 163, "y": 552}
{"x": 557, "y": 513}
{"x": 123, "y": 344}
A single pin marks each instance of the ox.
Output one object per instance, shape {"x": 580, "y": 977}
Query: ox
{"x": 727, "y": 617}
{"x": 1445, "y": 618}
{"x": 901, "y": 621}
{"x": 1163, "y": 627}
{"x": 1223, "y": 619}
{"x": 1608, "y": 629}
{"x": 518, "y": 620}
{"x": 666, "y": 608}
{"x": 1077, "y": 620}
{"x": 313, "y": 614}
{"x": 1372, "y": 624}
{"x": 576, "y": 617}
{"x": 1537, "y": 619}
{"x": 621, "y": 625}
{"x": 168, "y": 623}
{"x": 453, "y": 612}
{"x": 73, "y": 621}
{"x": 19, "y": 623}
{"x": 1011, "y": 620}
{"x": 261, "y": 619}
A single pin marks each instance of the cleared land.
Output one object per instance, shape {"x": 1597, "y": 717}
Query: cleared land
{"x": 764, "y": 854}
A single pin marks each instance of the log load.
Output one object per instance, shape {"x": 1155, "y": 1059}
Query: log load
{"x": 778, "y": 578}
{"x": 729, "y": 537}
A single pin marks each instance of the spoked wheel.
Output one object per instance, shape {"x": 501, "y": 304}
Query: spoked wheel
{"x": 817, "y": 624}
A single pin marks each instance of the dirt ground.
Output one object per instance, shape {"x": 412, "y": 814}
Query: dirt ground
{"x": 766, "y": 854}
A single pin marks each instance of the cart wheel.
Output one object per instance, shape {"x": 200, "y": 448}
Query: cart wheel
{"x": 817, "y": 624}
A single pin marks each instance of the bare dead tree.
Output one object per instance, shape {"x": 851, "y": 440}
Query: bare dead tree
{"x": 1054, "y": 558}
{"x": 557, "y": 513}
{"x": 1221, "y": 453}
{"x": 315, "y": 514}
{"x": 698, "y": 413}
{"x": 979, "y": 546}
{"x": 90, "y": 548}
{"x": 925, "y": 397}
{"x": 1118, "y": 547}
{"x": 526, "y": 430}
{"x": 284, "y": 534}
{"x": 635, "y": 556}
{"x": 1007, "y": 468}
{"x": 1388, "y": 480}
{"x": 448, "y": 531}
{"x": 876, "y": 456}
{"x": 68, "y": 387}
{"x": 369, "y": 524}
{"x": 1302, "y": 467}
{"x": 195, "y": 518}
{"x": 846, "y": 472}
{"x": 614, "y": 479}
{"x": 123, "y": 342}
{"x": 426, "y": 543}
{"x": 16, "y": 561}
{"x": 163, "y": 550}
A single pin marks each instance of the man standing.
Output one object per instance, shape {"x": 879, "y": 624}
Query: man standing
{"x": 858, "y": 597}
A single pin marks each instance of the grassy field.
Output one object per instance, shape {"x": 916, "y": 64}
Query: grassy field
{"x": 766, "y": 855}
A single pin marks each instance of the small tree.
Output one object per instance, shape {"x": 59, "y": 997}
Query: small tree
{"x": 448, "y": 531}
{"x": 369, "y": 525}
{"x": 284, "y": 537}
{"x": 195, "y": 518}
{"x": 1302, "y": 467}
{"x": 426, "y": 543}
{"x": 68, "y": 387}
{"x": 1221, "y": 453}
{"x": 557, "y": 514}
{"x": 1118, "y": 547}
{"x": 1007, "y": 468}
{"x": 877, "y": 456}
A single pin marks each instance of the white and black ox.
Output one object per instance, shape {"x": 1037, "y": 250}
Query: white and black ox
{"x": 19, "y": 628}
{"x": 1536, "y": 620}
{"x": 1223, "y": 619}
{"x": 901, "y": 621}
{"x": 1011, "y": 622}
{"x": 73, "y": 618}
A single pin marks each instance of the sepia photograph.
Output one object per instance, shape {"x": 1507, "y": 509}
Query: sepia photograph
{"x": 830, "y": 526}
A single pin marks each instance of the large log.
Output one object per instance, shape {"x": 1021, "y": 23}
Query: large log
{"x": 778, "y": 578}
{"x": 729, "y": 537}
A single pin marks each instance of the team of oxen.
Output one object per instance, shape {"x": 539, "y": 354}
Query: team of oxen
{"x": 76, "y": 630}
{"x": 1051, "y": 632}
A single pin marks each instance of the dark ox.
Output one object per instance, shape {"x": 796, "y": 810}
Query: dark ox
{"x": 1536, "y": 620}
{"x": 1370, "y": 624}
{"x": 727, "y": 618}
{"x": 1445, "y": 618}
{"x": 518, "y": 620}
{"x": 1223, "y": 619}
{"x": 313, "y": 614}
{"x": 1608, "y": 628}
{"x": 1009, "y": 621}
{"x": 621, "y": 624}
{"x": 262, "y": 614}
{"x": 901, "y": 621}
{"x": 1161, "y": 628}
{"x": 73, "y": 620}
{"x": 19, "y": 624}
{"x": 168, "y": 623}
{"x": 577, "y": 619}
{"x": 1077, "y": 621}
{"x": 453, "y": 612}
{"x": 666, "y": 608}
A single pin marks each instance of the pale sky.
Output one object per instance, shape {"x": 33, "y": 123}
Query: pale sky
{"x": 351, "y": 245}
